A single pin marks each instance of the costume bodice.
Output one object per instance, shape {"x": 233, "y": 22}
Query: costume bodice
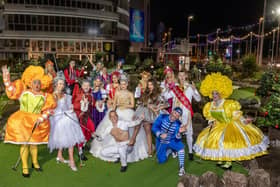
{"x": 29, "y": 102}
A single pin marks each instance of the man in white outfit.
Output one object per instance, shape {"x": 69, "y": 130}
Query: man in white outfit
{"x": 120, "y": 133}
{"x": 189, "y": 92}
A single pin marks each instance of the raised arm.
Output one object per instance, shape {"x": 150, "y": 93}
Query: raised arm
{"x": 13, "y": 89}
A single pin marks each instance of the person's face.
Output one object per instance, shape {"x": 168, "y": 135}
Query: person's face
{"x": 86, "y": 87}
{"x": 145, "y": 77}
{"x": 174, "y": 115}
{"x": 36, "y": 85}
{"x": 113, "y": 117}
{"x": 60, "y": 85}
{"x": 216, "y": 96}
{"x": 182, "y": 76}
{"x": 123, "y": 85}
{"x": 49, "y": 68}
{"x": 150, "y": 86}
{"x": 104, "y": 70}
{"x": 115, "y": 79}
{"x": 97, "y": 82}
{"x": 169, "y": 75}
{"x": 72, "y": 64}
{"x": 99, "y": 66}
{"x": 119, "y": 64}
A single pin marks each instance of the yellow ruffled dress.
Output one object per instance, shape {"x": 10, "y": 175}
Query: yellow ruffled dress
{"x": 230, "y": 139}
{"x": 21, "y": 123}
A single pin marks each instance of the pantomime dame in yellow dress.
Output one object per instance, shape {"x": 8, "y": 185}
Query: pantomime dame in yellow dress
{"x": 229, "y": 136}
{"x": 35, "y": 108}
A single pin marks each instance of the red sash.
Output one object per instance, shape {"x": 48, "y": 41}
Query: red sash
{"x": 182, "y": 98}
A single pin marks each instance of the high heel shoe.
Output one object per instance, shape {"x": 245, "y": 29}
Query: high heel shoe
{"x": 61, "y": 161}
{"x": 73, "y": 167}
{"x": 37, "y": 169}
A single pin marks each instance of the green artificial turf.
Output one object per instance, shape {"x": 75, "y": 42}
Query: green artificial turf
{"x": 97, "y": 173}
{"x": 243, "y": 93}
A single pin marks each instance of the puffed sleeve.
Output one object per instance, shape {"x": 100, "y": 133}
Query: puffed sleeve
{"x": 232, "y": 109}
{"x": 15, "y": 89}
{"x": 50, "y": 105}
{"x": 206, "y": 112}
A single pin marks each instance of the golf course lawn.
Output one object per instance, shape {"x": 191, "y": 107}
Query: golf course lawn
{"x": 97, "y": 173}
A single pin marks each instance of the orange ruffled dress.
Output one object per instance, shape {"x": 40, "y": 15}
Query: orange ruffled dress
{"x": 20, "y": 124}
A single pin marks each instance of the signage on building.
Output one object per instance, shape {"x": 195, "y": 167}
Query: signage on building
{"x": 107, "y": 47}
{"x": 136, "y": 28}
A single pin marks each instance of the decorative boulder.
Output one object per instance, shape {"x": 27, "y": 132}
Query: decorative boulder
{"x": 259, "y": 178}
{"x": 188, "y": 181}
{"x": 209, "y": 179}
{"x": 233, "y": 179}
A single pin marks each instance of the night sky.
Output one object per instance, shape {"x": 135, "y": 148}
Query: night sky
{"x": 208, "y": 14}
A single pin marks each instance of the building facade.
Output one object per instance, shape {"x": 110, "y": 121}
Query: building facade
{"x": 34, "y": 28}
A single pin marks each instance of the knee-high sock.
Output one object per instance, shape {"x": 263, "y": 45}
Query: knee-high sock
{"x": 181, "y": 157}
{"x": 189, "y": 138}
{"x": 24, "y": 152}
{"x": 34, "y": 155}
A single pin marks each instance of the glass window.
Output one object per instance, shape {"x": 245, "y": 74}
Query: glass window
{"x": 56, "y": 3}
{"x": 46, "y": 20}
{"x": 57, "y": 29}
{"x": 34, "y": 2}
{"x": 74, "y": 4}
{"x": 28, "y": 27}
{"x": 27, "y": 19}
{"x": 51, "y": 2}
{"x": 46, "y": 2}
{"x": 84, "y": 5}
{"x": 52, "y": 20}
{"x": 68, "y": 3}
{"x": 46, "y": 28}
{"x": 79, "y": 4}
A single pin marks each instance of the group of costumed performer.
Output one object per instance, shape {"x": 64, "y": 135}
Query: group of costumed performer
{"x": 65, "y": 127}
{"x": 29, "y": 126}
{"x": 123, "y": 103}
{"x": 181, "y": 94}
{"x": 229, "y": 136}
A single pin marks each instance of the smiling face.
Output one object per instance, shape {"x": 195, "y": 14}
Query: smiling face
{"x": 72, "y": 63}
{"x": 115, "y": 79}
{"x": 123, "y": 85}
{"x": 216, "y": 96}
{"x": 60, "y": 85}
{"x": 36, "y": 85}
{"x": 150, "y": 86}
{"x": 182, "y": 77}
{"x": 174, "y": 116}
{"x": 97, "y": 82}
{"x": 113, "y": 117}
{"x": 86, "y": 87}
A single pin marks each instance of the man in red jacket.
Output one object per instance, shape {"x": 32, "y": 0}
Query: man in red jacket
{"x": 83, "y": 103}
{"x": 71, "y": 75}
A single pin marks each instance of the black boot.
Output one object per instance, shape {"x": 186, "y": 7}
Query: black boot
{"x": 26, "y": 175}
{"x": 123, "y": 169}
{"x": 190, "y": 156}
{"x": 37, "y": 169}
{"x": 83, "y": 157}
{"x": 117, "y": 161}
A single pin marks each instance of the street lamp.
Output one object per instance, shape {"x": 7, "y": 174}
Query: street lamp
{"x": 258, "y": 47}
{"x": 188, "y": 33}
{"x": 262, "y": 36}
{"x": 277, "y": 12}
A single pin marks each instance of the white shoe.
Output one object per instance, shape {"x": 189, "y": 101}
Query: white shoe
{"x": 182, "y": 172}
{"x": 74, "y": 168}
{"x": 62, "y": 161}
{"x": 174, "y": 154}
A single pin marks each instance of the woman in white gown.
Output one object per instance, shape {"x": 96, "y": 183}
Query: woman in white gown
{"x": 65, "y": 129}
{"x": 124, "y": 104}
